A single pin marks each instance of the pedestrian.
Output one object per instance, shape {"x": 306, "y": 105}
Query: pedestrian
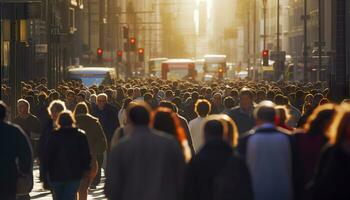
{"x": 243, "y": 114}
{"x": 217, "y": 172}
{"x": 164, "y": 119}
{"x": 146, "y": 164}
{"x": 310, "y": 142}
{"x": 217, "y": 106}
{"x": 70, "y": 100}
{"x": 54, "y": 109}
{"x": 202, "y": 108}
{"x": 16, "y": 158}
{"x": 29, "y": 123}
{"x": 183, "y": 122}
{"x": 332, "y": 174}
{"x": 68, "y": 158}
{"x": 97, "y": 143}
{"x": 108, "y": 117}
{"x": 268, "y": 152}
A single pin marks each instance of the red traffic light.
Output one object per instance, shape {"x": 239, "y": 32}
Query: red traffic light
{"x": 132, "y": 40}
{"x": 99, "y": 51}
{"x": 119, "y": 53}
{"x": 141, "y": 51}
{"x": 265, "y": 53}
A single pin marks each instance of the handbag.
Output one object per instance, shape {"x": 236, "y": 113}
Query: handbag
{"x": 24, "y": 182}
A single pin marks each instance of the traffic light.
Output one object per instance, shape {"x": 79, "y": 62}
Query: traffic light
{"x": 265, "y": 55}
{"x": 120, "y": 56}
{"x": 132, "y": 42}
{"x": 141, "y": 52}
{"x": 125, "y": 32}
{"x": 99, "y": 55}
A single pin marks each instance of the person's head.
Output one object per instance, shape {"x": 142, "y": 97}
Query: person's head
{"x": 138, "y": 113}
{"x": 23, "y": 107}
{"x": 166, "y": 120}
{"x": 320, "y": 119}
{"x": 81, "y": 109}
{"x": 3, "y": 110}
{"x": 283, "y": 114}
{"x": 65, "y": 120}
{"x": 70, "y": 96}
{"x": 265, "y": 113}
{"x": 229, "y": 102}
{"x": 148, "y": 98}
{"x": 169, "y": 105}
{"x": 42, "y": 97}
{"x": 126, "y": 102}
{"x": 55, "y": 108}
{"x": 101, "y": 101}
{"x": 202, "y": 107}
{"x": 217, "y": 99}
{"x": 246, "y": 99}
{"x": 232, "y": 131}
{"x": 81, "y": 96}
{"x": 214, "y": 129}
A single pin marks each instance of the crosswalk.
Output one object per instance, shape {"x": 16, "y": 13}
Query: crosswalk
{"x": 38, "y": 193}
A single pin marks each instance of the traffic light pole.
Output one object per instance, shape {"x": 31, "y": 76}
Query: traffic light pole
{"x": 320, "y": 13}
{"x": 305, "y": 17}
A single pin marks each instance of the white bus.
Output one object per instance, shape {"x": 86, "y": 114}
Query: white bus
{"x": 179, "y": 69}
{"x": 155, "y": 67}
{"x": 214, "y": 67}
{"x": 92, "y": 75}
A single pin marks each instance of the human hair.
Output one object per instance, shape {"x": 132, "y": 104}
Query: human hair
{"x": 56, "y": 106}
{"x": 232, "y": 130}
{"x": 65, "y": 119}
{"x": 202, "y": 107}
{"x": 340, "y": 126}
{"x": 246, "y": 91}
{"x": 81, "y": 109}
{"x": 283, "y": 114}
{"x": 214, "y": 128}
{"x": 164, "y": 119}
{"x": 102, "y": 95}
{"x": 229, "y": 102}
{"x": 138, "y": 113}
{"x": 265, "y": 112}
{"x": 25, "y": 102}
{"x": 126, "y": 102}
{"x": 3, "y": 110}
{"x": 168, "y": 104}
{"x": 320, "y": 119}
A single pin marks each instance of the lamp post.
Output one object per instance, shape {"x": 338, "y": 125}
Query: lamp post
{"x": 264, "y": 11}
{"x": 305, "y": 18}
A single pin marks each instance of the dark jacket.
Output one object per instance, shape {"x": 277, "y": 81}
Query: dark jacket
{"x": 145, "y": 165}
{"x": 68, "y": 155}
{"x": 108, "y": 118}
{"x": 14, "y": 144}
{"x": 333, "y": 175}
{"x": 217, "y": 173}
{"x": 244, "y": 121}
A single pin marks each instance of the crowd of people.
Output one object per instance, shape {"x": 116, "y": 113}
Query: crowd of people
{"x": 177, "y": 140}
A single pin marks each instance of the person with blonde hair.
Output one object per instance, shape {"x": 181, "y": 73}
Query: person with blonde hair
{"x": 332, "y": 177}
{"x": 68, "y": 157}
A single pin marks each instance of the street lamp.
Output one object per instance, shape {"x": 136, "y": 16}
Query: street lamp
{"x": 265, "y": 10}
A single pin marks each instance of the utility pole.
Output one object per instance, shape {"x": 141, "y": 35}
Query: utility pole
{"x": 254, "y": 42}
{"x": 320, "y": 39}
{"x": 265, "y": 12}
{"x": 305, "y": 18}
{"x": 279, "y": 67}
{"x": 248, "y": 40}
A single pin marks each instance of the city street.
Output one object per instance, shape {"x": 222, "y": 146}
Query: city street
{"x": 39, "y": 193}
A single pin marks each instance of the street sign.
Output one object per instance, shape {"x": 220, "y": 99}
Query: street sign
{"x": 41, "y": 48}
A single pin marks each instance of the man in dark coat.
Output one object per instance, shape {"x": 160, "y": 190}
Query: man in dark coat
{"x": 243, "y": 114}
{"x": 108, "y": 117}
{"x": 146, "y": 164}
{"x": 216, "y": 172}
{"x": 14, "y": 148}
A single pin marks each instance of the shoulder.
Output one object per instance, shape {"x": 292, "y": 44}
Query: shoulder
{"x": 13, "y": 128}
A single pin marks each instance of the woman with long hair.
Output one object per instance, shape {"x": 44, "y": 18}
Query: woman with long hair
{"x": 312, "y": 139}
{"x": 68, "y": 158}
{"x": 332, "y": 178}
{"x": 163, "y": 119}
